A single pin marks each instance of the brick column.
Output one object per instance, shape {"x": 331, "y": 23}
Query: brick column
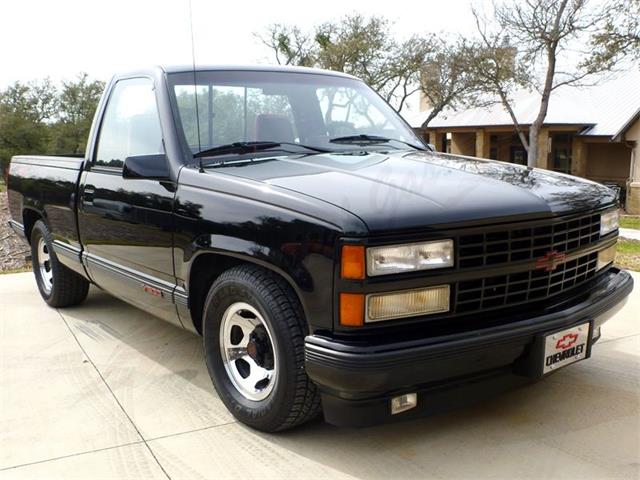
{"x": 482, "y": 143}
{"x": 463, "y": 143}
{"x": 543, "y": 148}
{"x": 633, "y": 186}
{"x": 578, "y": 157}
{"x": 435, "y": 139}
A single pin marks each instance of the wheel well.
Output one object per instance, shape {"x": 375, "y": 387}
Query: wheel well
{"x": 204, "y": 271}
{"x": 206, "y": 268}
{"x": 29, "y": 218}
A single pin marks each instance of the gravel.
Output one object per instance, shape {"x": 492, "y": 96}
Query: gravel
{"x": 13, "y": 250}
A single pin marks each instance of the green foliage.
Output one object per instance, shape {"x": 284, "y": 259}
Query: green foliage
{"x": 39, "y": 118}
{"x": 77, "y": 105}
{"x": 627, "y": 221}
{"x": 619, "y": 36}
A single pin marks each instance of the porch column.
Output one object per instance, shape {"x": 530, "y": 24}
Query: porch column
{"x": 633, "y": 187}
{"x": 435, "y": 139}
{"x": 578, "y": 157}
{"x": 543, "y": 148}
{"x": 463, "y": 143}
{"x": 482, "y": 143}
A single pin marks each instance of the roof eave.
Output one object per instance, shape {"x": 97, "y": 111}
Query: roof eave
{"x": 617, "y": 137}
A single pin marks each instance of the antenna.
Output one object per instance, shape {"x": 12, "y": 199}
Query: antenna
{"x": 195, "y": 87}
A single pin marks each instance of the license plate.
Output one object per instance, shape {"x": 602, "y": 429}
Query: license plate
{"x": 565, "y": 347}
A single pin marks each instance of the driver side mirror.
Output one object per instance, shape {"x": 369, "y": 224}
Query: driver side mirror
{"x": 149, "y": 167}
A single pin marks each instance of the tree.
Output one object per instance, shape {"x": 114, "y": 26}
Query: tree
{"x": 78, "y": 101}
{"x": 38, "y": 117}
{"x": 543, "y": 31}
{"x": 20, "y": 134}
{"x": 494, "y": 69}
{"x": 24, "y": 109}
{"x": 357, "y": 45}
{"x": 290, "y": 45}
{"x": 37, "y": 100}
{"x": 446, "y": 80}
{"x": 619, "y": 36}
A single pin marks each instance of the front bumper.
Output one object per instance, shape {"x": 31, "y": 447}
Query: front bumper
{"x": 357, "y": 382}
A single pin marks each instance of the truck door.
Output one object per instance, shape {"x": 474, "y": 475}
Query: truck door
{"x": 126, "y": 225}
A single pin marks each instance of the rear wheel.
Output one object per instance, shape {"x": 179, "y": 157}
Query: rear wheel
{"x": 253, "y": 333}
{"x": 58, "y": 285}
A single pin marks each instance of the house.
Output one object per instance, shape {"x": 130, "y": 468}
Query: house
{"x": 592, "y": 132}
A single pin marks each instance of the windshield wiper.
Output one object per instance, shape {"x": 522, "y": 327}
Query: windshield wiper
{"x": 370, "y": 140}
{"x": 251, "y": 147}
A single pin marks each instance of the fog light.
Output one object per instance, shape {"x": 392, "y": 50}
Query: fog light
{"x": 408, "y": 303}
{"x": 403, "y": 403}
{"x": 606, "y": 256}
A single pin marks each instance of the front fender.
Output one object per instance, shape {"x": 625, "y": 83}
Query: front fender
{"x": 299, "y": 248}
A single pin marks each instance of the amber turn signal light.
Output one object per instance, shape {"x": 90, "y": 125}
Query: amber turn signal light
{"x": 353, "y": 266}
{"x": 352, "y": 309}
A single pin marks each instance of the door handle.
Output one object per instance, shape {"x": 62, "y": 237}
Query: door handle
{"x": 88, "y": 192}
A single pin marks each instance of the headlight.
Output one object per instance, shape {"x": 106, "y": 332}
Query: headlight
{"x": 409, "y": 257}
{"x": 609, "y": 221}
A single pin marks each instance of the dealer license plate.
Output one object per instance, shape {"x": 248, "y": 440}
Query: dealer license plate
{"x": 565, "y": 347}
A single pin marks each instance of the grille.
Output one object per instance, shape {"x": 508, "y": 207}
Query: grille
{"x": 512, "y": 289}
{"x": 529, "y": 243}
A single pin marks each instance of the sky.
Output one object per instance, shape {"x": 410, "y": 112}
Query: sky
{"x": 61, "y": 38}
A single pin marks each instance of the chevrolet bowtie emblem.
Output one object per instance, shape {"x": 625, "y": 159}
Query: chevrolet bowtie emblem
{"x": 550, "y": 261}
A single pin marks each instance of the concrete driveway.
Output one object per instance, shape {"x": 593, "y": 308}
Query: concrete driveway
{"x": 106, "y": 391}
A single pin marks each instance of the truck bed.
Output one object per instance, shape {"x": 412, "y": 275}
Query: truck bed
{"x": 46, "y": 186}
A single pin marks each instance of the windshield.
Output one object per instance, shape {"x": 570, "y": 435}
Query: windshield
{"x": 286, "y": 107}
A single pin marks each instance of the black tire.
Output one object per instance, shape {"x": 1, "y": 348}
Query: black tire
{"x": 67, "y": 288}
{"x": 294, "y": 398}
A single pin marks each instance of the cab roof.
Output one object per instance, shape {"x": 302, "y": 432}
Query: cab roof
{"x": 247, "y": 68}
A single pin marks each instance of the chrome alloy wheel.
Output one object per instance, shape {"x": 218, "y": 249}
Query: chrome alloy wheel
{"x": 44, "y": 265}
{"x": 248, "y": 351}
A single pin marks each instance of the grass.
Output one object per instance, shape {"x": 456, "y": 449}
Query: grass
{"x": 628, "y": 255}
{"x": 3, "y": 187}
{"x": 629, "y": 221}
{"x": 26, "y": 268}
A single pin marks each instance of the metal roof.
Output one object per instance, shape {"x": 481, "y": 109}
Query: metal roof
{"x": 602, "y": 109}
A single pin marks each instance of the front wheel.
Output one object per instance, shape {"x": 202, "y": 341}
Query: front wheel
{"x": 254, "y": 331}
{"x": 58, "y": 285}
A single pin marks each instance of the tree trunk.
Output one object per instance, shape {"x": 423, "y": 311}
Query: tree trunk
{"x": 433, "y": 114}
{"x": 532, "y": 152}
{"x": 552, "y": 49}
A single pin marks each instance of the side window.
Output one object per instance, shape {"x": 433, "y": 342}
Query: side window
{"x": 130, "y": 125}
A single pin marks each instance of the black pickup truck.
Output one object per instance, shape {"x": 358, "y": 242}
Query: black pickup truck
{"x": 329, "y": 258}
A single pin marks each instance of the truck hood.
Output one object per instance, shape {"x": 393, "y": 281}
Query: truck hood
{"x": 420, "y": 190}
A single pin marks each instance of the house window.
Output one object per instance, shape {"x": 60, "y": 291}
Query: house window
{"x": 561, "y": 153}
{"x": 518, "y": 155}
